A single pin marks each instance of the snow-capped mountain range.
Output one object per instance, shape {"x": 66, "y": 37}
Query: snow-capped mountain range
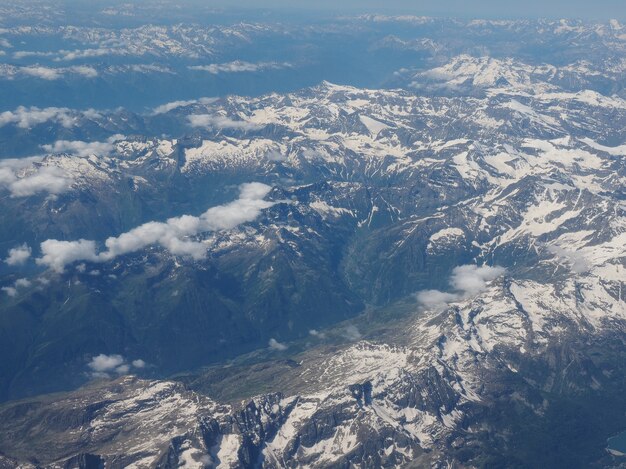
{"x": 419, "y": 276}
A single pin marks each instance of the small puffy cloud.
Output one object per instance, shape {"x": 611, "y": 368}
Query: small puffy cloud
{"x": 164, "y": 108}
{"x": 172, "y": 235}
{"x": 471, "y": 279}
{"x": 84, "y": 70}
{"x": 435, "y": 298}
{"x": 18, "y": 255}
{"x": 102, "y": 366}
{"x": 221, "y": 122}
{"x": 45, "y": 73}
{"x": 80, "y": 148}
{"x": 69, "y": 55}
{"x": 22, "y": 282}
{"x": 246, "y": 208}
{"x": 48, "y": 179}
{"x": 19, "y": 283}
{"x": 317, "y": 334}
{"x": 57, "y": 254}
{"x": 277, "y": 346}
{"x": 11, "y": 291}
{"x": 352, "y": 333}
{"x": 239, "y": 66}
{"x": 466, "y": 280}
{"x": 104, "y": 362}
{"x": 25, "y": 177}
{"x": 27, "y": 117}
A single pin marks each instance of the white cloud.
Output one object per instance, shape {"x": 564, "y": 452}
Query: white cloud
{"x": 28, "y": 176}
{"x": 221, "y": 122}
{"x": 104, "y": 362}
{"x": 19, "y": 283}
{"x": 471, "y": 279}
{"x": 24, "y": 177}
{"x": 352, "y": 333}
{"x": 11, "y": 291}
{"x": 57, "y": 254}
{"x": 140, "y": 68}
{"x": 27, "y": 53}
{"x": 275, "y": 345}
{"x": 84, "y": 70}
{"x": 27, "y": 117}
{"x": 239, "y": 66}
{"x": 22, "y": 282}
{"x": 318, "y": 334}
{"x": 48, "y": 179}
{"x": 167, "y": 107}
{"x": 466, "y": 280}
{"x": 10, "y": 72}
{"x": 45, "y": 73}
{"x": 435, "y": 298}
{"x": 246, "y": 208}
{"x": 102, "y": 365}
{"x": 172, "y": 235}
{"x": 18, "y": 255}
{"x": 88, "y": 53}
{"x": 80, "y": 148}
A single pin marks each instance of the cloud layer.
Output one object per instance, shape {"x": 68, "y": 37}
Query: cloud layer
{"x": 239, "y": 66}
{"x": 27, "y": 117}
{"x": 466, "y": 280}
{"x": 10, "y": 72}
{"x": 173, "y": 235}
{"x": 80, "y": 148}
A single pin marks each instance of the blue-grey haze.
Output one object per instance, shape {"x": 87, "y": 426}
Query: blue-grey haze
{"x": 600, "y": 9}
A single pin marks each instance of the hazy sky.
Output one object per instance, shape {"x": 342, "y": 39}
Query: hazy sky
{"x": 586, "y": 9}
